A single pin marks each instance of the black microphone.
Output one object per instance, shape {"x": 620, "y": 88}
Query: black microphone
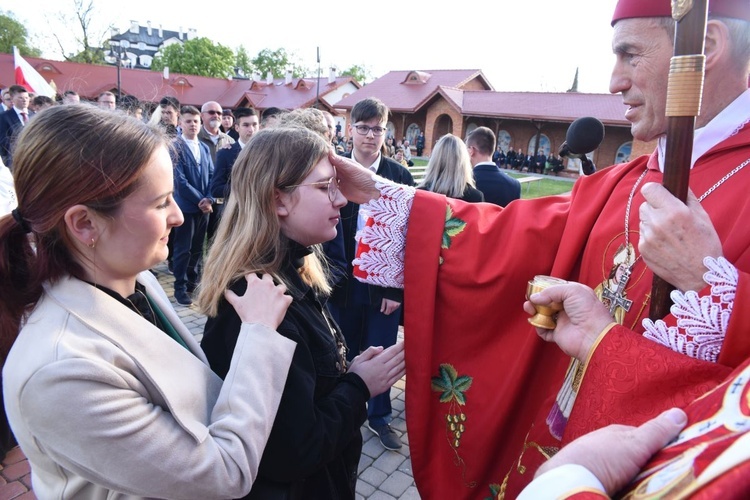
{"x": 583, "y": 136}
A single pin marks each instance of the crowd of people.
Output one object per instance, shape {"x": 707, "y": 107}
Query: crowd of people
{"x": 540, "y": 163}
{"x": 306, "y": 247}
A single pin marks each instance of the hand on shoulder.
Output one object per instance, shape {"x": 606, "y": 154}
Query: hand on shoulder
{"x": 263, "y": 302}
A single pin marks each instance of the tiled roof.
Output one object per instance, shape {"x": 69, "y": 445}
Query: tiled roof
{"x": 448, "y": 84}
{"x": 90, "y": 80}
{"x": 563, "y": 106}
{"x": 401, "y": 95}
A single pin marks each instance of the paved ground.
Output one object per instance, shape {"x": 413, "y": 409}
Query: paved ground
{"x": 383, "y": 474}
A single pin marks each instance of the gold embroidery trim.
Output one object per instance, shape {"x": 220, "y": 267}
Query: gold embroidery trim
{"x": 581, "y": 368}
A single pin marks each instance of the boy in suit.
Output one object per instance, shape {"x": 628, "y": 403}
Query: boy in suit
{"x": 193, "y": 169}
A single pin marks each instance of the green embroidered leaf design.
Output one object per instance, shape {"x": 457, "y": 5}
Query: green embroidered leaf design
{"x": 451, "y": 386}
{"x": 495, "y": 491}
{"x": 462, "y": 383}
{"x": 453, "y": 226}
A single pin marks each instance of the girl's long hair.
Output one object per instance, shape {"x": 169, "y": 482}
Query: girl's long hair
{"x": 449, "y": 169}
{"x": 249, "y": 238}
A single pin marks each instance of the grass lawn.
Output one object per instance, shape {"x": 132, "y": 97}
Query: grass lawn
{"x": 545, "y": 187}
{"x": 537, "y": 189}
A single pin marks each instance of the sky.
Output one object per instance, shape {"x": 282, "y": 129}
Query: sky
{"x": 519, "y": 45}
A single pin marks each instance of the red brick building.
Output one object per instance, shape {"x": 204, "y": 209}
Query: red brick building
{"x": 457, "y": 101}
{"x": 435, "y": 102}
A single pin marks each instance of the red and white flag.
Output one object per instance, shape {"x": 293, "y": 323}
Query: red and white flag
{"x": 30, "y": 78}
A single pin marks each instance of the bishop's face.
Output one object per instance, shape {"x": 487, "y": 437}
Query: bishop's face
{"x": 643, "y": 50}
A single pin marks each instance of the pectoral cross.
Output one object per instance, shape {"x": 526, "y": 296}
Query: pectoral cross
{"x": 617, "y": 297}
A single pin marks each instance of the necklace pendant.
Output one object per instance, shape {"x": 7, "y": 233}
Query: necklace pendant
{"x": 616, "y": 296}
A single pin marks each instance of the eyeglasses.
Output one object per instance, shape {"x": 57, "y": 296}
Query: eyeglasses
{"x": 213, "y": 112}
{"x": 331, "y": 185}
{"x": 364, "y": 130}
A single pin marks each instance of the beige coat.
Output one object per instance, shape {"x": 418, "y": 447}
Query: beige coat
{"x": 105, "y": 405}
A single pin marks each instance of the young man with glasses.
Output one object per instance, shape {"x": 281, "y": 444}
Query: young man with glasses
{"x": 368, "y": 315}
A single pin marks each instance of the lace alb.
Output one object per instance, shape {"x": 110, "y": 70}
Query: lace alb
{"x": 701, "y": 321}
{"x": 382, "y": 263}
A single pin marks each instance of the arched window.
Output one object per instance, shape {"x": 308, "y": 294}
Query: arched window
{"x": 469, "y": 129}
{"x": 503, "y": 140}
{"x": 390, "y": 129}
{"x": 443, "y": 125}
{"x": 623, "y": 152}
{"x": 544, "y": 145}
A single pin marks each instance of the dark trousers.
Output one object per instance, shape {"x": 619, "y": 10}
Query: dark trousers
{"x": 188, "y": 248}
{"x": 363, "y": 325}
{"x": 170, "y": 247}
{"x": 213, "y": 221}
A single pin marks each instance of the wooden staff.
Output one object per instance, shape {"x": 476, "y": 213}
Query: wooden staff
{"x": 683, "y": 105}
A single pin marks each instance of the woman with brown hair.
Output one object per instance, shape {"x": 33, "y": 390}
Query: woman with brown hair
{"x": 106, "y": 391}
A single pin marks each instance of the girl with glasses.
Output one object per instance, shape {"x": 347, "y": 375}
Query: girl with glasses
{"x": 288, "y": 204}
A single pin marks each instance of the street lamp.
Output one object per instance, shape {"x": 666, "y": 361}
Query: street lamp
{"x": 118, "y": 58}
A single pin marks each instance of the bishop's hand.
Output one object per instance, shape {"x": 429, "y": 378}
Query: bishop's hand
{"x": 675, "y": 237}
{"x": 580, "y": 322}
{"x": 356, "y": 183}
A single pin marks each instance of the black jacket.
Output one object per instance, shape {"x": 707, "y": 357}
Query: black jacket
{"x": 315, "y": 442}
{"x": 342, "y": 292}
{"x": 498, "y": 187}
{"x": 221, "y": 181}
{"x": 470, "y": 194}
{"x": 10, "y": 127}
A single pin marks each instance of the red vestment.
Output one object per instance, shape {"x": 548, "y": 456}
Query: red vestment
{"x": 711, "y": 457}
{"x": 478, "y": 375}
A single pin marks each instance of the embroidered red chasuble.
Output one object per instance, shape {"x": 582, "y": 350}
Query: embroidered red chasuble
{"x": 710, "y": 458}
{"x": 478, "y": 375}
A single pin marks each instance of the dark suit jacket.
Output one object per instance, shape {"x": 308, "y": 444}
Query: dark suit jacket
{"x": 498, "y": 187}
{"x": 221, "y": 182}
{"x": 191, "y": 181}
{"x": 345, "y": 245}
{"x": 470, "y": 194}
{"x": 10, "y": 126}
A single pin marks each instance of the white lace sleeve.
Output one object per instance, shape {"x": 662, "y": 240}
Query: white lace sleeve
{"x": 383, "y": 239}
{"x": 701, "y": 321}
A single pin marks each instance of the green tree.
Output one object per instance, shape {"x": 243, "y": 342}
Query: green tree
{"x": 199, "y": 56}
{"x": 14, "y": 34}
{"x": 278, "y": 62}
{"x": 357, "y": 72}
{"x": 242, "y": 61}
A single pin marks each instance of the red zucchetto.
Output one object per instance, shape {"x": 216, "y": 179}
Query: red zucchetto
{"x": 626, "y": 9}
